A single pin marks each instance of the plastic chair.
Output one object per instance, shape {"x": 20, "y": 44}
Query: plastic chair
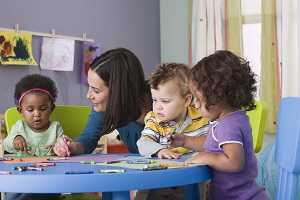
{"x": 73, "y": 118}
{"x": 257, "y": 118}
{"x": 287, "y": 147}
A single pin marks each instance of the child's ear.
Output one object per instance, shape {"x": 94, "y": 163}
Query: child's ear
{"x": 19, "y": 109}
{"x": 52, "y": 107}
{"x": 188, "y": 99}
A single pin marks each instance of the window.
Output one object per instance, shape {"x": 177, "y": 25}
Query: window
{"x": 251, "y": 12}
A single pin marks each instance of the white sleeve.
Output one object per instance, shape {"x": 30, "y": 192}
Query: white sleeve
{"x": 147, "y": 144}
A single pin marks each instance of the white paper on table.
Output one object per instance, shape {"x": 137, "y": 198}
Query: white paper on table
{"x": 57, "y": 54}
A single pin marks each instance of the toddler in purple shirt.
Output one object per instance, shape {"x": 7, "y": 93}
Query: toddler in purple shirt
{"x": 224, "y": 88}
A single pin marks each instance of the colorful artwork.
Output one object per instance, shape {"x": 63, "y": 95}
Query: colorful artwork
{"x": 15, "y": 48}
{"x": 90, "y": 52}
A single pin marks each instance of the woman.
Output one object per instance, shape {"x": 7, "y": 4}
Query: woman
{"x": 120, "y": 97}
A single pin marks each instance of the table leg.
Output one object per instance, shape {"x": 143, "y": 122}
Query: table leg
{"x": 192, "y": 192}
{"x": 120, "y": 195}
{"x": 106, "y": 195}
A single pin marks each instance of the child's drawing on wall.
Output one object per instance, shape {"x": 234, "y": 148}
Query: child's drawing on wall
{"x": 15, "y": 48}
{"x": 90, "y": 52}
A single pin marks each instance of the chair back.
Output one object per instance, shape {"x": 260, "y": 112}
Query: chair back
{"x": 73, "y": 118}
{"x": 257, "y": 118}
{"x": 287, "y": 147}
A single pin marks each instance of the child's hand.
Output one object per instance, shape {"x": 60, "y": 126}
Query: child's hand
{"x": 167, "y": 153}
{"x": 20, "y": 144}
{"x": 62, "y": 146}
{"x": 197, "y": 158}
{"x": 177, "y": 140}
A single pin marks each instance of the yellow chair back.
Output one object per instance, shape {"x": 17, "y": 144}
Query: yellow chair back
{"x": 73, "y": 118}
{"x": 257, "y": 118}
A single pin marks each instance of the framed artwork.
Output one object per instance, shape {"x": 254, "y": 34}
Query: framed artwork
{"x": 16, "y": 48}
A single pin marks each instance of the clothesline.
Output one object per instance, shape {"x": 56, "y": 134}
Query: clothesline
{"x": 52, "y": 34}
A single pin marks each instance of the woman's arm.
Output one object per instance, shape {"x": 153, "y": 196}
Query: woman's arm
{"x": 129, "y": 134}
{"x": 88, "y": 139}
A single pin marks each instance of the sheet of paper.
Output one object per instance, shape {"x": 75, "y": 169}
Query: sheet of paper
{"x": 57, "y": 54}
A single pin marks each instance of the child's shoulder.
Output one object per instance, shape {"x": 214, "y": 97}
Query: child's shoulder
{"x": 55, "y": 124}
{"x": 236, "y": 116}
{"x": 19, "y": 124}
{"x": 18, "y": 127}
{"x": 234, "y": 120}
{"x": 150, "y": 116}
{"x": 195, "y": 114}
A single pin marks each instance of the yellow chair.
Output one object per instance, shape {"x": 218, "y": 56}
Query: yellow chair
{"x": 257, "y": 118}
{"x": 73, "y": 118}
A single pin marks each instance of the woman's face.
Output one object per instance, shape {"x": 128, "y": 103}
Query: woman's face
{"x": 97, "y": 92}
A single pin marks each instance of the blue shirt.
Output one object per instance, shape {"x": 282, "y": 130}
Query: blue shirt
{"x": 129, "y": 133}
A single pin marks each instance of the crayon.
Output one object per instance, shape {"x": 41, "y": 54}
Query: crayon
{"x": 79, "y": 172}
{"x": 57, "y": 158}
{"x": 66, "y": 143}
{"x": 33, "y": 168}
{"x": 91, "y": 162}
{"x": 45, "y": 164}
{"x": 4, "y": 172}
{"x": 6, "y": 159}
{"x": 112, "y": 162}
{"x": 154, "y": 167}
{"x": 21, "y": 168}
{"x": 108, "y": 171}
{"x": 28, "y": 168}
{"x": 141, "y": 161}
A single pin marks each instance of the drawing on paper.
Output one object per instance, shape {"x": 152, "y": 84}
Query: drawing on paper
{"x": 90, "y": 52}
{"x": 16, "y": 48}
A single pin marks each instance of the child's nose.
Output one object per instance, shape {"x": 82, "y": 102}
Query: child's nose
{"x": 158, "y": 106}
{"x": 37, "y": 113}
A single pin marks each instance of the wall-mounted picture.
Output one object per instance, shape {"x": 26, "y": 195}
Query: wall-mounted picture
{"x": 91, "y": 50}
{"x": 16, "y": 48}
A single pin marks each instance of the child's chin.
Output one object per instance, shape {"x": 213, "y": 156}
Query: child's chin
{"x": 38, "y": 128}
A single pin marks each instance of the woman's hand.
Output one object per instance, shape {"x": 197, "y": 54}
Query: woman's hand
{"x": 20, "y": 144}
{"x": 167, "y": 153}
{"x": 62, "y": 146}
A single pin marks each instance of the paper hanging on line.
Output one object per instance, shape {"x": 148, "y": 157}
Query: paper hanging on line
{"x": 57, "y": 54}
{"x": 91, "y": 50}
{"x": 16, "y": 48}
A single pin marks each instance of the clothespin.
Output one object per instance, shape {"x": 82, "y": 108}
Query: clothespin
{"x": 17, "y": 28}
{"x": 84, "y": 36}
{"x": 53, "y": 32}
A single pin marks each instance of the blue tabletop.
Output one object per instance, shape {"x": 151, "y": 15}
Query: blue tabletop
{"x": 54, "y": 179}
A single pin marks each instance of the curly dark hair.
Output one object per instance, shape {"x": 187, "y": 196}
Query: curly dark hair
{"x": 33, "y": 81}
{"x": 169, "y": 71}
{"x": 224, "y": 77}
